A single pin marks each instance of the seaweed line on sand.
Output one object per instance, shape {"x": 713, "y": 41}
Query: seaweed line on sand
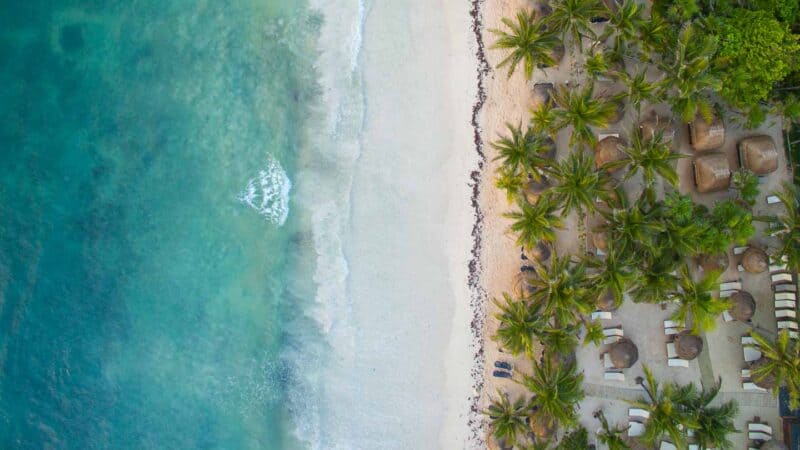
{"x": 478, "y": 293}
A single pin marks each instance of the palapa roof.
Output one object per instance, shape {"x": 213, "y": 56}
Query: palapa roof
{"x": 755, "y": 260}
{"x": 600, "y": 240}
{"x": 624, "y": 353}
{"x": 743, "y": 306}
{"x": 688, "y": 345}
{"x": 656, "y": 124}
{"x": 706, "y": 136}
{"x": 712, "y": 173}
{"x": 759, "y": 154}
{"x": 609, "y": 149}
{"x": 711, "y": 263}
{"x": 541, "y": 252}
{"x": 606, "y": 301}
{"x": 534, "y": 189}
{"x": 543, "y": 92}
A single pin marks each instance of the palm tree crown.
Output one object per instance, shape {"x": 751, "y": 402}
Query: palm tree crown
{"x": 508, "y": 419}
{"x": 781, "y": 364}
{"x": 518, "y": 323}
{"x": 651, "y": 157}
{"x": 790, "y": 225}
{"x": 696, "y": 301}
{"x": 714, "y": 423}
{"x": 578, "y": 184}
{"x": 574, "y": 18}
{"x": 522, "y": 150}
{"x": 561, "y": 291}
{"x": 529, "y": 42}
{"x": 666, "y": 414}
{"x": 624, "y": 23}
{"x": 557, "y": 391}
{"x": 580, "y": 109}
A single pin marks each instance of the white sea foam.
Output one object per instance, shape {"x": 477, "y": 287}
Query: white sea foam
{"x": 268, "y": 193}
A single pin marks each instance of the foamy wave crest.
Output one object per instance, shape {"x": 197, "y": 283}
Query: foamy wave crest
{"x": 268, "y": 193}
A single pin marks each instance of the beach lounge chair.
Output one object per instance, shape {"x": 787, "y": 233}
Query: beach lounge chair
{"x": 693, "y": 446}
{"x": 613, "y": 331}
{"x": 602, "y": 315}
{"x": 502, "y": 365}
{"x": 758, "y": 436}
{"x": 740, "y": 268}
{"x": 772, "y": 199}
{"x": 780, "y": 267}
{"x": 727, "y": 316}
{"x": 726, "y": 294}
{"x": 639, "y": 412}
{"x": 750, "y": 386}
{"x": 785, "y": 296}
{"x": 501, "y": 374}
{"x": 730, "y": 286}
{"x": 751, "y": 353}
{"x": 778, "y": 278}
{"x": 739, "y": 250}
{"x": 787, "y": 325}
{"x": 786, "y": 288}
{"x": 794, "y": 335}
{"x": 671, "y": 352}
{"x": 611, "y": 340}
{"x": 760, "y": 427}
{"x": 614, "y": 376}
{"x": 782, "y": 258}
{"x": 677, "y": 362}
{"x": 635, "y": 429}
{"x": 746, "y": 373}
{"x": 785, "y": 314}
{"x": 672, "y": 324}
{"x": 667, "y": 446}
{"x": 607, "y": 363}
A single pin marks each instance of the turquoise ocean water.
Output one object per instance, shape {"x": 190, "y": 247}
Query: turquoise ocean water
{"x": 151, "y": 269}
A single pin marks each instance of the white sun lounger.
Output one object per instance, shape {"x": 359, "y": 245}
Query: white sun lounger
{"x": 635, "y": 429}
{"x": 750, "y": 386}
{"x": 602, "y": 315}
{"x": 726, "y": 294}
{"x": 613, "y": 331}
{"x": 785, "y": 304}
{"x": 778, "y": 278}
{"x": 772, "y": 199}
{"x": 730, "y": 286}
{"x": 667, "y": 446}
{"x": 759, "y": 436}
{"x": 740, "y": 268}
{"x": 785, "y": 288}
{"x": 785, "y": 314}
{"x": 785, "y": 296}
{"x": 783, "y": 258}
{"x": 607, "y": 363}
{"x": 727, "y": 316}
{"x": 693, "y": 446}
{"x": 787, "y": 325}
{"x": 611, "y": 340}
{"x": 739, "y": 250}
{"x": 746, "y": 373}
{"x": 614, "y": 376}
{"x": 677, "y": 362}
{"x": 777, "y": 267}
{"x": 671, "y": 352}
{"x": 750, "y": 353}
{"x": 794, "y": 335}
{"x": 761, "y": 427}
{"x": 672, "y": 324}
{"x": 639, "y": 412}
{"x": 671, "y": 331}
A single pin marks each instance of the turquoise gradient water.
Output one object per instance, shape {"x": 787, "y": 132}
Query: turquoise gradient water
{"x": 145, "y": 304}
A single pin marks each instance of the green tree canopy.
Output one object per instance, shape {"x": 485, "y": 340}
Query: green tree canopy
{"x": 530, "y": 43}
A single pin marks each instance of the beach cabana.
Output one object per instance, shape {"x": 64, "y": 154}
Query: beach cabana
{"x": 609, "y": 149}
{"x": 688, "y": 345}
{"x": 755, "y": 260}
{"x": 743, "y": 306}
{"x": 534, "y": 189}
{"x": 759, "y": 154}
{"x": 654, "y": 125}
{"x": 606, "y": 301}
{"x": 624, "y": 353}
{"x": 706, "y": 136}
{"x": 712, "y": 173}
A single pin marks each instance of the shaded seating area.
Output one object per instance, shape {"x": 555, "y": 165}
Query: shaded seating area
{"x": 758, "y": 154}
{"x": 712, "y": 173}
{"x": 704, "y": 136}
{"x": 622, "y": 354}
{"x": 743, "y": 307}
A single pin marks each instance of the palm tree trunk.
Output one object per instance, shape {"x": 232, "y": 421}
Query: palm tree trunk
{"x": 582, "y": 236}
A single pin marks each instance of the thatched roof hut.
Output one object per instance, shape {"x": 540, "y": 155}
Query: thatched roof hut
{"x": 609, "y": 149}
{"x": 759, "y": 154}
{"x": 688, "y": 345}
{"x": 606, "y": 301}
{"x": 624, "y": 353}
{"x": 714, "y": 263}
{"x": 743, "y": 306}
{"x": 712, "y": 173}
{"x": 755, "y": 260}
{"x": 654, "y": 125}
{"x": 534, "y": 189}
{"x": 706, "y": 136}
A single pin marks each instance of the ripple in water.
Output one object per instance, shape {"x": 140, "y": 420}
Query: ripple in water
{"x": 268, "y": 193}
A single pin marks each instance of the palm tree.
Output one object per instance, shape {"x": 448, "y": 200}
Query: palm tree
{"x": 558, "y": 341}
{"x": 557, "y": 391}
{"x": 714, "y": 423}
{"x": 518, "y": 323}
{"x": 544, "y": 119}
{"x": 624, "y": 23}
{"x": 639, "y": 90}
{"x": 580, "y": 109}
{"x": 596, "y": 64}
{"x": 651, "y": 157}
{"x": 696, "y": 301}
{"x": 655, "y": 34}
{"x": 633, "y": 226}
{"x": 522, "y": 150}
{"x": 746, "y": 184}
{"x": 535, "y": 223}
{"x": 615, "y": 273}
{"x": 610, "y": 437}
{"x": 790, "y": 225}
{"x": 560, "y": 290}
{"x": 508, "y": 420}
{"x": 657, "y": 282}
{"x": 510, "y": 181}
{"x": 529, "y": 42}
{"x": 690, "y": 77}
{"x": 574, "y": 18}
{"x": 578, "y": 184}
{"x": 663, "y": 402}
{"x": 780, "y": 365}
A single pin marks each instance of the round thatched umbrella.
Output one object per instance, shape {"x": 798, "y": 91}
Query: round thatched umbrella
{"x": 541, "y": 252}
{"x": 688, "y": 345}
{"x": 600, "y": 240}
{"x": 624, "y": 353}
{"x": 743, "y": 306}
{"x": 606, "y": 301}
{"x": 774, "y": 445}
{"x": 755, "y": 260}
{"x": 711, "y": 263}
{"x": 541, "y": 426}
{"x": 609, "y": 149}
{"x": 768, "y": 382}
{"x": 521, "y": 284}
{"x": 534, "y": 189}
